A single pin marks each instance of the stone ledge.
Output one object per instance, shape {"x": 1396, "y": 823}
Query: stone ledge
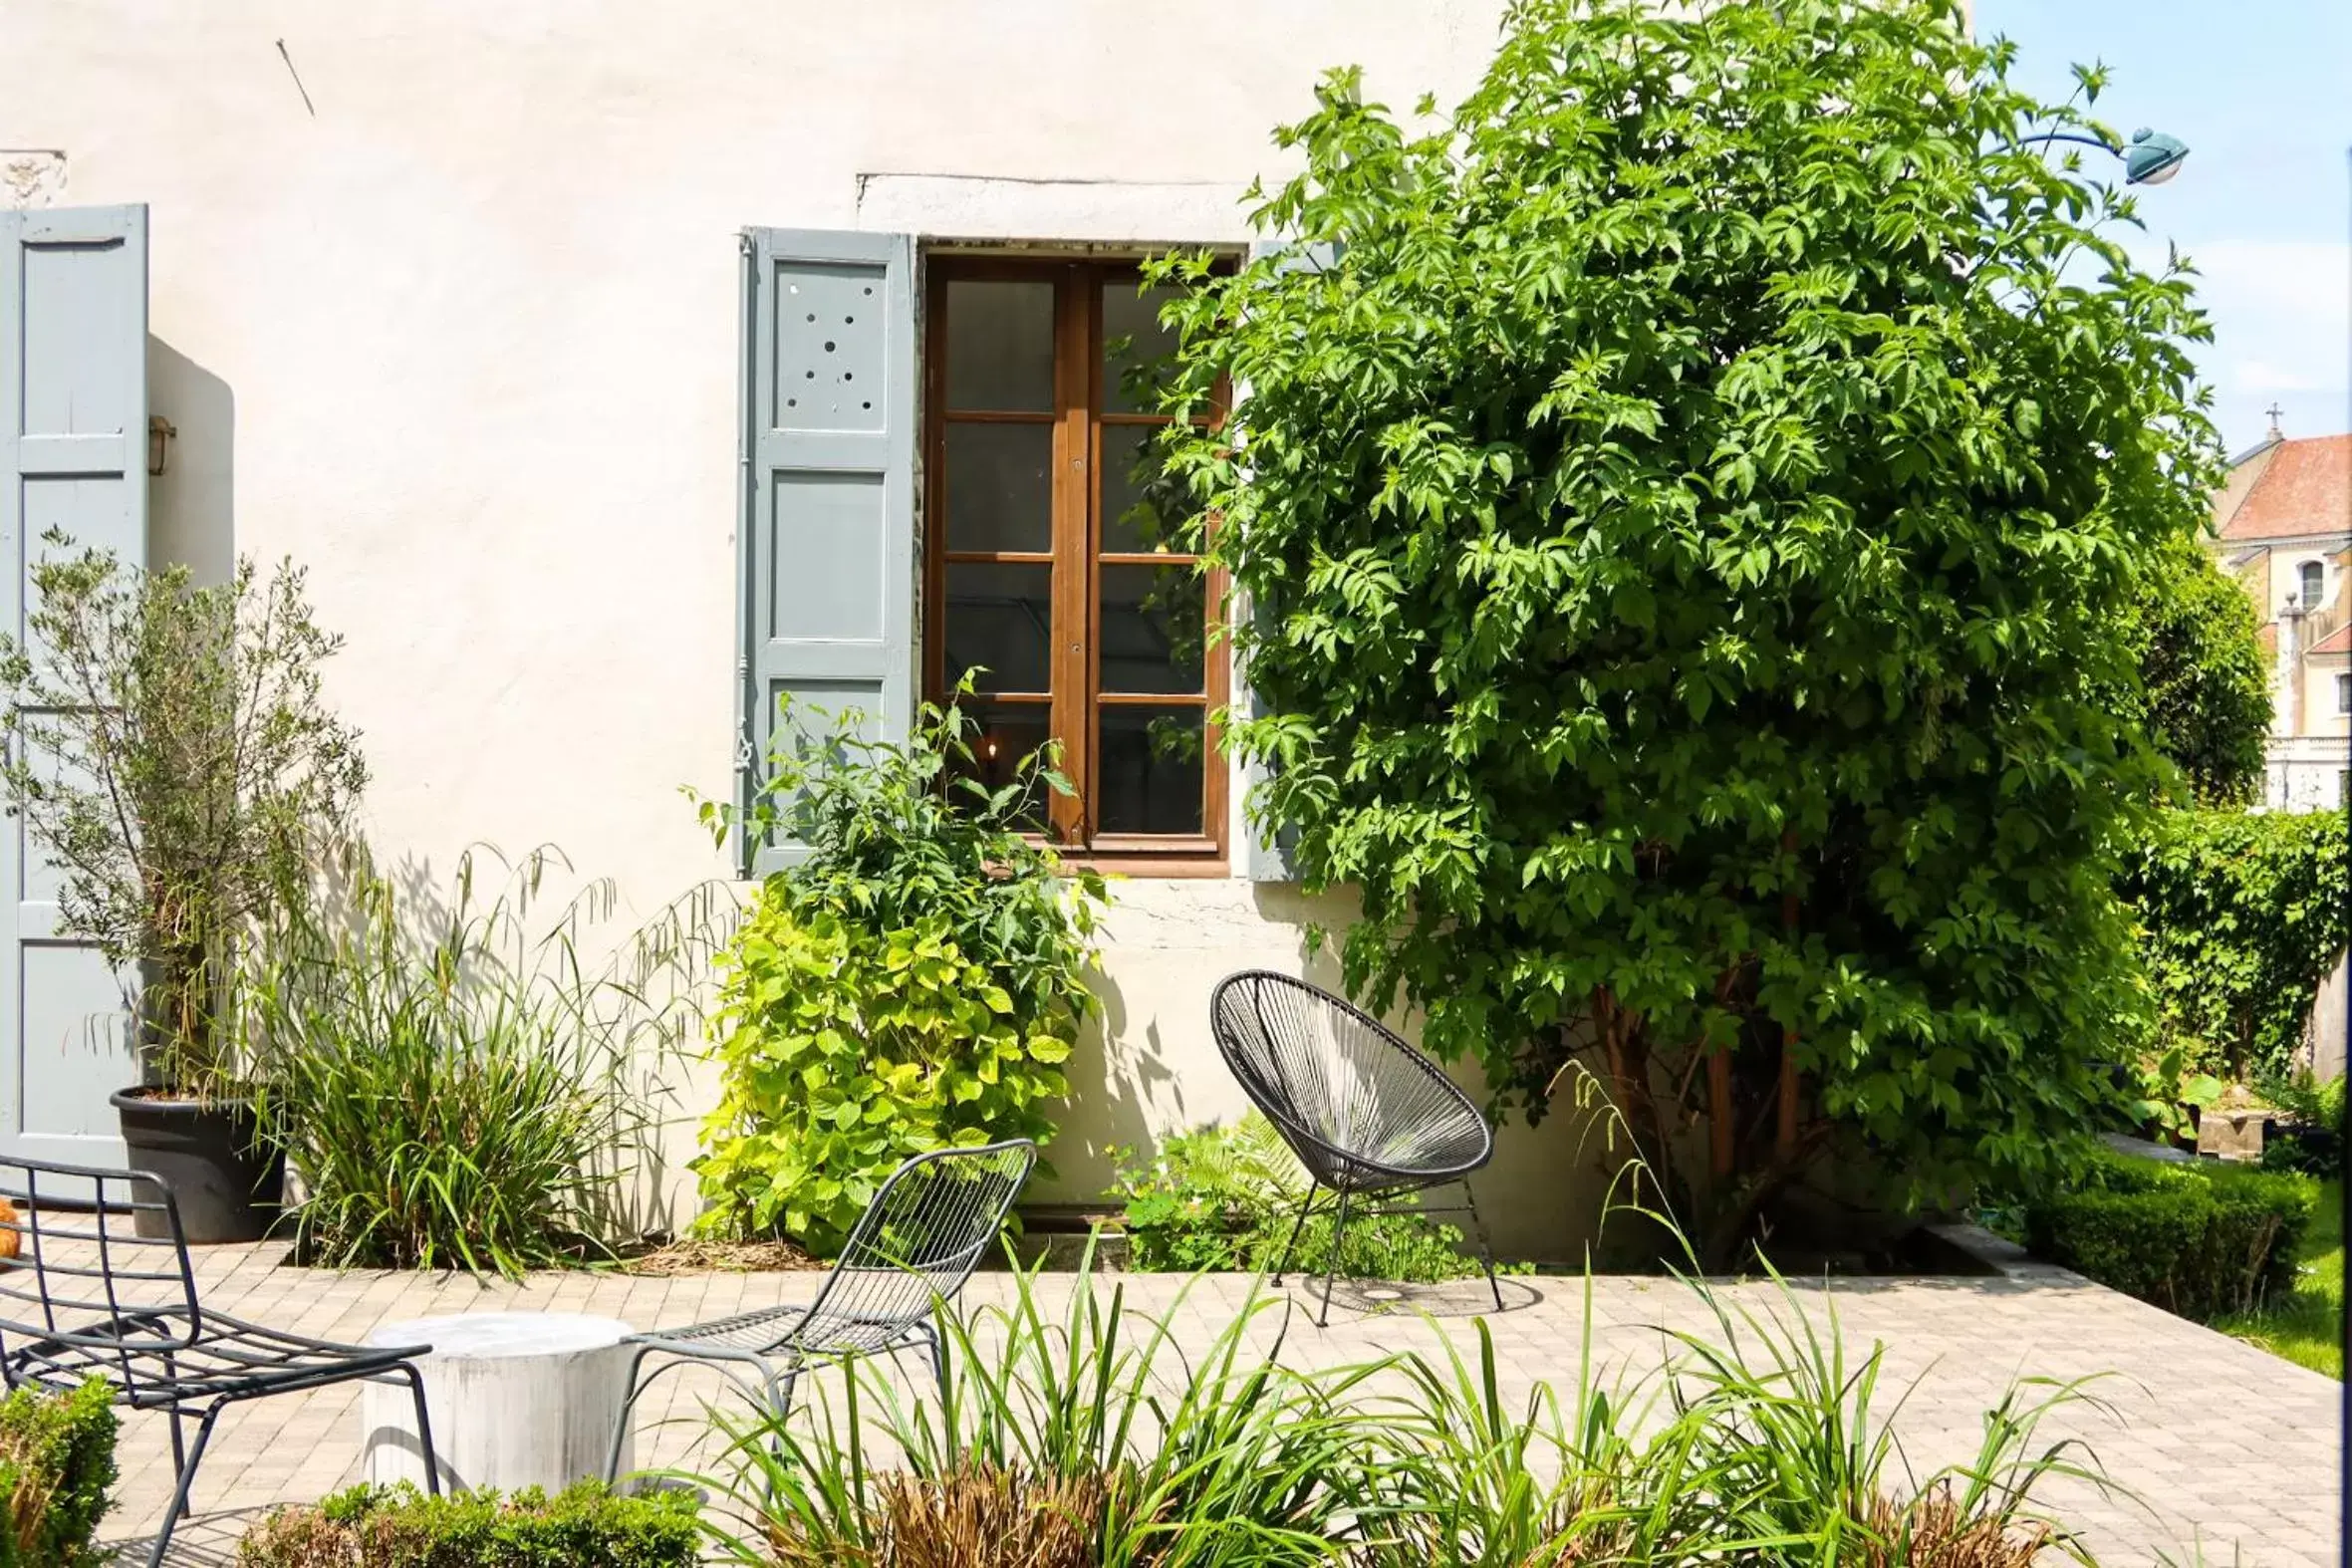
{"x": 2004, "y": 1258}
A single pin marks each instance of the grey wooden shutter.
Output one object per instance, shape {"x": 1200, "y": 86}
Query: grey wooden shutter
{"x": 72, "y": 456}
{"x": 1270, "y": 845}
{"x": 825, "y": 542}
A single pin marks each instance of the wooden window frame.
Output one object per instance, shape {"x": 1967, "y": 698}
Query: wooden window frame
{"x": 1078, "y": 420}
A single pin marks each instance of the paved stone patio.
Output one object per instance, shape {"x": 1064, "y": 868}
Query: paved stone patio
{"x": 2236, "y": 1450}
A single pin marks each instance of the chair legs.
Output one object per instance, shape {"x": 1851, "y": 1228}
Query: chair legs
{"x": 186, "y": 1456}
{"x": 1282, "y": 1263}
{"x": 772, "y": 1393}
{"x": 414, "y": 1378}
{"x": 1338, "y": 1232}
{"x": 1486, "y": 1244}
{"x": 188, "y": 1479}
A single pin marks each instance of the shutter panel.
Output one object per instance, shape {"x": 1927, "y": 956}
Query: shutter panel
{"x": 72, "y": 456}
{"x": 1269, "y": 848}
{"x": 826, "y": 546}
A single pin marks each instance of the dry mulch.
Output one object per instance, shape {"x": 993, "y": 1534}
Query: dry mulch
{"x": 698, "y": 1256}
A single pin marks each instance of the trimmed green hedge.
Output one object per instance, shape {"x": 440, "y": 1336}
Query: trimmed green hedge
{"x": 584, "y": 1526}
{"x": 57, "y": 1461}
{"x": 2195, "y": 1239}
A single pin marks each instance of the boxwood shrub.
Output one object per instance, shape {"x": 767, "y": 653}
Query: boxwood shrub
{"x": 2196, "y": 1239}
{"x": 57, "y": 1461}
{"x": 584, "y": 1526}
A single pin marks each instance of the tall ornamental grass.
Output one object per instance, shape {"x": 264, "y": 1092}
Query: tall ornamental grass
{"x": 455, "y": 1083}
{"x": 1085, "y": 1437}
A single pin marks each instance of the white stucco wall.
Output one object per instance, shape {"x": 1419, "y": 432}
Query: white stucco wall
{"x": 459, "y": 335}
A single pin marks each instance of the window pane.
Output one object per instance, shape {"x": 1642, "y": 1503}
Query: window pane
{"x": 1155, "y": 621}
{"x": 1151, "y": 772}
{"x": 999, "y": 490}
{"x": 1000, "y": 616}
{"x": 1136, "y": 348}
{"x": 1006, "y": 732}
{"x": 1143, "y": 504}
{"x": 1000, "y": 346}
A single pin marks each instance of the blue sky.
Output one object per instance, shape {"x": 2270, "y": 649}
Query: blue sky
{"x": 2261, "y": 90}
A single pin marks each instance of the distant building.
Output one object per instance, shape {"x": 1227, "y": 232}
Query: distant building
{"x": 2284, "y": 521}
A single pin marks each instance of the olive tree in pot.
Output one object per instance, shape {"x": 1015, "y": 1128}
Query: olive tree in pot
{"x": 172, "y": 757}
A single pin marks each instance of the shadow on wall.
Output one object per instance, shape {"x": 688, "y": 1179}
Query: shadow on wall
{"x": 1149, "y": 1066}
{"x": 192, "y": 505}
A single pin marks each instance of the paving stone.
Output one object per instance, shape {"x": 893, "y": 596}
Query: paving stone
{"x": 2261, "y": 1488}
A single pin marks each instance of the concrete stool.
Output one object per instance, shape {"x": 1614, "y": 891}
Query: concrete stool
{"x": 518, "y": 1399}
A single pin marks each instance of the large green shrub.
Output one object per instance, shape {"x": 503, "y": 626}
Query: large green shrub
{"x": 584, "y": 1526}
{"x": 1690, "y": 527}
{"x": 57, "y": 1462}
{"x": 916, "y": 980}
{"x": 2244, "y": 915}
{"x": 2198, "y": 1239}
{"x": 1226, "y": 1200}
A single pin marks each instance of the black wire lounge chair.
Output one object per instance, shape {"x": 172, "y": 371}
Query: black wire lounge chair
{"x": 1373, "y": 1120}
{"x": 87, "y": 1296}
{"x": 907, "y": 1257}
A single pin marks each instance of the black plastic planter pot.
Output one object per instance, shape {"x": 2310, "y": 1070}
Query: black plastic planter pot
{"x": 228, "y": 1189}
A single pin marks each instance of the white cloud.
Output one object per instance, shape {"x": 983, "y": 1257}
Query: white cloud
{"x": 2311, "y": 280}
{"x": 2260, "y": 376}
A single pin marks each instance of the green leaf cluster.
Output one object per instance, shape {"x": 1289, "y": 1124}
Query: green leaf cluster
{"x": 583, "y": 1526}
{"x": 916, "y": 980}
{"x": 57, "y": 1461}
{"x": 2204, "y": 687}
{"x": 1225, "y": 1198}
{"x": 2244, "y": 913}
{"x": 1690, "y": 504}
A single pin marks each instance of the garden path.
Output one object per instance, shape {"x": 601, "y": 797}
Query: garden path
{"x": 2236, "y": 1450}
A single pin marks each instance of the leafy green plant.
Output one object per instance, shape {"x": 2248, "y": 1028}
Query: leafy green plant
{"x": 1690, "y": 502}
{"x": 454, "y": 1087}
{"x": 2198, "y": 1239}
{"x": 915, "y": 980}
{"x": 2204, "y": 687}
{"x": 1225, "y": 1198}
{"x": 584, "y": 1526}
{"x": 2244, "y": 914}
{"x": 170, "y": 753}
{"x": 2310, "y": 1137}
{"x": 1083, "y": 1438}
{"x": 1235, "y": 1460}
{"x": 56, "y": 1463}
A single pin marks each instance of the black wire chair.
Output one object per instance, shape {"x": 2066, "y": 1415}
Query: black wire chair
{"x": 1372, "y": 1118}
{"x": 905, "y": 1258}
{"x": 87, "y": 1296}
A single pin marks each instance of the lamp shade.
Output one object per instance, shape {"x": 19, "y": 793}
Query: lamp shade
{"x": 2152, "y": 157}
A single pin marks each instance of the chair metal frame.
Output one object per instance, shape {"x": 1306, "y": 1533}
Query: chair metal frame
{"x": 143, "y": 1332}
{"x": 1322, "y": 1100}
{"x": 875, "y": 1299}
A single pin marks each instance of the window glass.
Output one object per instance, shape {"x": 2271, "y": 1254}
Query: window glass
{"x": 1136, "y": 349}
{"x": 1000, "y": 346}
{"x": 999, "y": 490}
{"x": 1151, "y": 770}
{"x": 1000, "y": 622}
{"x": 1153, "y": 628}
